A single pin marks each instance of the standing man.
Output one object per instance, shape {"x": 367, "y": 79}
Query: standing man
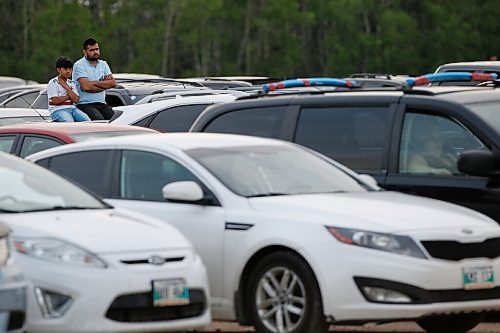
{"x": 93, "y": 76}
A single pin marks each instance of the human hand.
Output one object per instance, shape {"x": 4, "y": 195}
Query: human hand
{"x": 63, "y": 83}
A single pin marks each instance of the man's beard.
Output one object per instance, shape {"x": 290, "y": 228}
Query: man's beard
{"x": 93, "y": 58}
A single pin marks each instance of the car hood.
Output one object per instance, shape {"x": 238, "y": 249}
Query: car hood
{"x": 382, "y": 211}
{"x": 99, "y": 231}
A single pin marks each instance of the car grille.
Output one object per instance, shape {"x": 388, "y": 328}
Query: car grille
{"x": 455, "y": 251}
{"x": 139, "y": 308}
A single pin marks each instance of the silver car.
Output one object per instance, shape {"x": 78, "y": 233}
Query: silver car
{"x": 12, "y": 288}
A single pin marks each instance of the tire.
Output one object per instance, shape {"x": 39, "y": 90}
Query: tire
{"x": 459, "y": 323}
{"x": 273, "y": 308}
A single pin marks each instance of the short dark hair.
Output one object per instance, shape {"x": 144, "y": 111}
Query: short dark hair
{"x": 64, "y": 62}
{"x": 89, "y": 41}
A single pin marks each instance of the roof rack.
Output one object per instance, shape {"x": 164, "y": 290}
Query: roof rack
{"x": 450, "y": 76}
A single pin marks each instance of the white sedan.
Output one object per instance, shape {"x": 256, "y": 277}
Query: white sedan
{"x": 92, "y": 268}
{"x": 174, "y": 114}
{"x": 294, "y": 241}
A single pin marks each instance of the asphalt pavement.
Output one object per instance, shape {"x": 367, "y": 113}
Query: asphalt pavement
{"x": 403, "y": 327}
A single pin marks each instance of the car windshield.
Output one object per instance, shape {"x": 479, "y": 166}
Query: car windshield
{"x": 488, "y": 111}
{"x": 253, "y": 171}
{"x": 28, "y": 187}
{"x": 108, "y": 134}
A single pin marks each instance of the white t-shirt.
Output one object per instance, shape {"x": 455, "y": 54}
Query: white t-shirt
{"x": 54, "y": 89}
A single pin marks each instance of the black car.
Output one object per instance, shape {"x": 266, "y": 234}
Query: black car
{"x": 411, "y": 139}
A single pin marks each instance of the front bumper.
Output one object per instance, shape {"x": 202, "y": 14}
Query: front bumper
{"x": 435, "y": 286}
{"x": 12, "y": 298}
{"x": 118, "y": 298}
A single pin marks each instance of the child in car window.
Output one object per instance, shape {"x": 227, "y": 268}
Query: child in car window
{"x": 62, "y": 94}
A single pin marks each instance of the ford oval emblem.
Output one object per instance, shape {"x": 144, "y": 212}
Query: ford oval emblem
{"x": 156, "y": 260}
{"x": 467, "y": 231}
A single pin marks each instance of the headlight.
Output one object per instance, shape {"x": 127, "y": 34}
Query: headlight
{"x": 57, "y": 251}
{"x": 374, "y": 240}
{"x": 4, "y": 250}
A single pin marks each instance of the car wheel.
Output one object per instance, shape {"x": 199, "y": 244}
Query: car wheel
{"x": 284, "y": 296}
{"x": 459, "y": 323}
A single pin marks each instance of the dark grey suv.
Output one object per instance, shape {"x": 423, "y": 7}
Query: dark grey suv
{"x": 410, "y": 139}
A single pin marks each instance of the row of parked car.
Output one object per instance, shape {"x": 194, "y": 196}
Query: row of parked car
{"x": 292, "y": 238}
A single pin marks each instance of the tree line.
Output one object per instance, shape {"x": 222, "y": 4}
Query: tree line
{"x": 278, "y": 38}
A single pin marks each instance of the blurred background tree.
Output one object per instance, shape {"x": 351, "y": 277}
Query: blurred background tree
{"x": 281, "y": 38}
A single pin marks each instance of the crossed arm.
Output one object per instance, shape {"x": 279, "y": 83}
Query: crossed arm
{"x": 97, "y": 86}
{"x": 57, "y": 100}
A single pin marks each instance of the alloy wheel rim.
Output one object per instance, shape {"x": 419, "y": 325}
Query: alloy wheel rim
{"x": 280, "y": 300}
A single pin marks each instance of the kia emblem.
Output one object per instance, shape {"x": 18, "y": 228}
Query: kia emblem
{"x": 156, "y": 260}
{"x": 467, "y": 231}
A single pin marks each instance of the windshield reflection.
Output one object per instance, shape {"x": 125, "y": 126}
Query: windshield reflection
{"x": 270, "y": 170}
{"x": 27, "y": 187}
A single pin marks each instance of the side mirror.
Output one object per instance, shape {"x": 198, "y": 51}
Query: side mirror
{"x": 369, "y": 180}
{"x": 477, "y": 163}
{"x": 183, "y": 191}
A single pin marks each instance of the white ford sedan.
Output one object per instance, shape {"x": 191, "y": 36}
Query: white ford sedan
{"x": 294, "y": 241}
{"x": 92, "y": 268}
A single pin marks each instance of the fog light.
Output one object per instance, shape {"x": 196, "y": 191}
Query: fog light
{"x": 52, "y": 304}
{"x": 376, "y": 294}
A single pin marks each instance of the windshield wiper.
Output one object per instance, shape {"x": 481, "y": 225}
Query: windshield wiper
{"x": 269, "y": 194}
{"x": 59, "y": 208}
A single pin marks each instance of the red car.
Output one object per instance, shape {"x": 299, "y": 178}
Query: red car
{"x": 26, "y": 139}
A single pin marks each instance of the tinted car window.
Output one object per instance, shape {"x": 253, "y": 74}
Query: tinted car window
{"x": 23, "y": 101}
{"x": 143, "y": 175}
{"x": 41, "y": 102}
{"x": 352, "y": 136}
{"x": 91, "y": 169}
{"x": 178, "y": 119}
{"x": 264, "y": 122}
{"x": 143, "y": 122}
{"x": 6, "y": 143}
{"x": 34, "y": 144}
{"x": 430, "y": 144}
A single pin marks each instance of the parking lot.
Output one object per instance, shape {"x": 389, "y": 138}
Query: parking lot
{"x": 408, "y": 327}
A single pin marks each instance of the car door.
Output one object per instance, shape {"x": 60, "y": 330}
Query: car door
{"x": 414, "y": 136}
{"x": 141, "y": 176}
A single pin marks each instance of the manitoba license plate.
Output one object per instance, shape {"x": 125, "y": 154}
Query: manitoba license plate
{"x": 478, "y": 277}
{"x": 170, "y": 292}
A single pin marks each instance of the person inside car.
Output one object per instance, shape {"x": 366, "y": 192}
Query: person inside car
{"x": 428, "y": 154}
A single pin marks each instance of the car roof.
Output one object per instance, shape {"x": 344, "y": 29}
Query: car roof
{"x": 477, "y": 66}
{"x": 56, "y": 128}
{"x": 159, "y": 141}
{"x": 22, "y": 112}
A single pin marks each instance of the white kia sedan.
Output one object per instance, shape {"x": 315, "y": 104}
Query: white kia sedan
{"x": 292, "y": 240}
{"x": 93, "y": 268}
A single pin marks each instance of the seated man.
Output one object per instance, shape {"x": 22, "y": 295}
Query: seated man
{"x": 428, "y": 155}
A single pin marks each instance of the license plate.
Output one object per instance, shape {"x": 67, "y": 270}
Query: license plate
{"x": 170, "y": 292}
{"x": 478, "y": 277}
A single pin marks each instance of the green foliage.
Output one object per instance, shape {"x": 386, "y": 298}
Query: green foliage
{"x": 283, "y": 38}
